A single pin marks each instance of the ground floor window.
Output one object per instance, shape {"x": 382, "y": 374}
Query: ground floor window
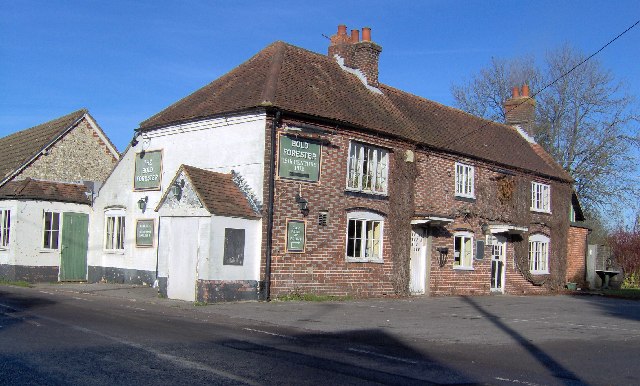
{"x": 114, "y": 230}
{"x": 463, "y": 250}
{"x": 5, "y": 227}
{"x": 539, "y": 254}
{"x": 51, "y": 233}
{"x": 364, "y": 237}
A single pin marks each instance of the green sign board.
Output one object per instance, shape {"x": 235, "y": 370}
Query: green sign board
{"x": 295, "y": 236}
{"x": 144, "y": 233}
{"x": 299, "y": 159}
{"x": 148, "y": 170}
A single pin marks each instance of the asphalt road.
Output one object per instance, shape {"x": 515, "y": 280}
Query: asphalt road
{"x": 101, "y": 334}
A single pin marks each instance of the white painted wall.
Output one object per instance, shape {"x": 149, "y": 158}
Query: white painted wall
{"x": 27, "y": 226}
{"x": 220, "y": 144}
{"x": 213, "y": 269}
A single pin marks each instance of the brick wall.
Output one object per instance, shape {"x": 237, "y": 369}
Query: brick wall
{"x": 577, "y": 248}
{"x": 79, "y": 155}
{"x": 323, "y": 268}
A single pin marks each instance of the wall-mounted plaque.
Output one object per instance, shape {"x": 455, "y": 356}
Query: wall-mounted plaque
{"x": 299, "y": 159}
{"x": 233, "y": 247}
{"x": 148, "y": 170}
{"x": 295, "y": 236}
{"x": 144, "y": 233}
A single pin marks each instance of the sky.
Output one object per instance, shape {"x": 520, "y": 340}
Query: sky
{"x": 127, "y": 60}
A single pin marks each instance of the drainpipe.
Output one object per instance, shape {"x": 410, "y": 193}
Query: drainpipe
{"x": 272, "y": 177}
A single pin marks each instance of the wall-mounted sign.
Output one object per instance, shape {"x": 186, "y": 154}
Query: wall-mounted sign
{"x": 299, "y": 159}
{"x": 144, "y": 233}
{"x": 295, "y": 236}
{"x": 148, "y": 170}
{"x": 233, "y": 247}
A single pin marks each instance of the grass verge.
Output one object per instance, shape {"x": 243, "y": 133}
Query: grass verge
{"x": 628, "y": 293}
{"x": 311, "y": 298}
{"x": 15, "y": 283}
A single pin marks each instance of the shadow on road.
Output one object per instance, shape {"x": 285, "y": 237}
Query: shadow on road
{"x": 563, "y": 374}
{"x": 12, "y": 305}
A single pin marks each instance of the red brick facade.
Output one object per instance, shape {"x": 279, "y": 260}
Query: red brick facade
{"x": 323, "y": 268}
{"x": 576, "y": 254}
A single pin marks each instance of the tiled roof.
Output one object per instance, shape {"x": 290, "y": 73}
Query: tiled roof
{"x": 18, "y": 148}
{"x": 299, "y": 81}
{"x": 44, "y": 190}
{"x": 219, "y": 194}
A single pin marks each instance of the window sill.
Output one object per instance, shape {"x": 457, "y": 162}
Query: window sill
{"x": 540, "y": 211}
{"x": 114, "y": 251}
{"x": 458, "y": 268}
{"x": 368, "y": 192}
{"x": 352, "y": 260}
{"x": 539, "y": 272}
{"x": 49, "y": 250}
{"x": 465, "y": 198}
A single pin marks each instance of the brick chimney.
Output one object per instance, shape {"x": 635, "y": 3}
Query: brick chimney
{"x": 358, "y": 54}
{"x": 521, "y": 109}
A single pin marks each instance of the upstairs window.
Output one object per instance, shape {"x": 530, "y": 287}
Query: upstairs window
{"x": 364, "y": 237}
{"x": 5, "y": 227}
{"x": 463, "y": 250}
{"x": 464, "y": 180}
{"x": 368, "y": 169}
{"x": 114, "y": 230}
{"x": 539, "y": 254}
{"x": 540, "y": 197}
{"x": 51, "y": 233}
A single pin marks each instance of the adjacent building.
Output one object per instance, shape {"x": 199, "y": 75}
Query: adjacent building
{"x": 48, "y": 175}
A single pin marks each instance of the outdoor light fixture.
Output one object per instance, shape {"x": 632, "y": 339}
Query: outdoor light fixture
{"x": 176, "y": 189}
{"x": 142, "y": 203}
{"x": 485, "y": 228}
{"x": 304, "y": 205}
{"x": 134, "y": 141}
{"x": 444, "y": 252}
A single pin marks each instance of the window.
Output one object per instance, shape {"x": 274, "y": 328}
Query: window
{"x": 364, "y": 237}
{"x": 463, "y": 250}
{"x": 540, "y": 197}
{"x": 539, "y": 254}
{"x": 233, "y": 247}
{"x": 5, "y": 227}
{"x": 367, "y": 169}
{"x": 114, "y": 230}
{"x": 464, "y": 181}
{"x": 51, "y": 230}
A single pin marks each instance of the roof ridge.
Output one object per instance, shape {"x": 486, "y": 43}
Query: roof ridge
{"x": 271, "y": 84}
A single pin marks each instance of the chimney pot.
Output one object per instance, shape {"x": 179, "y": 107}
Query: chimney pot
{"x": 342, "y": 29}
{"x": 515, "y": 92}
{"x": 525, "y": 90}
{"x": 355, "y": 36}
{"x": 366, "y": 34}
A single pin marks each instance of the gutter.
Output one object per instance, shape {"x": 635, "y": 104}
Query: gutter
{"x": 271, "y": 193}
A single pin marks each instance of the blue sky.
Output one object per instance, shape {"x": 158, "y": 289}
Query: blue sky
{"x": 127, "y": 60}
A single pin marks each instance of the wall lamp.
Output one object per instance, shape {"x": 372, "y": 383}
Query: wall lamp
{"x": 142, "y": 203}
{"x": 444, "y": 253}
{"x": 134, "y": 141}
{"x": 304, "y": 205}
{"x": 176, "y": 189}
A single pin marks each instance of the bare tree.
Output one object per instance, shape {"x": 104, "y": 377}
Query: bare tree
{"x": 584, "y": 119}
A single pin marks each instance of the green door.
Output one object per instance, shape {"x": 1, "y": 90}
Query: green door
{"x": 75, "y": 235}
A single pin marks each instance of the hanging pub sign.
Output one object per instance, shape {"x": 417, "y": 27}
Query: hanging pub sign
{"x": 148, "y": 170}
{"x": 299, "y": 159}
{"x": 295, "y": 236}
{"x": 144, "y": 233}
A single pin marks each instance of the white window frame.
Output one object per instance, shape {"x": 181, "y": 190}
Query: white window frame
{"x": 51, "y": 233}
{"x": 539, "y": 254}
{"x": 5, "y": 228}
{"x": 540, "y": 197}
{"x": 370, "y": 248}
{"x": 367, "y": 168}
{"x": 114, "y": 230}
{"x": 462, "y": 263}
{"x": 465, "y": 180}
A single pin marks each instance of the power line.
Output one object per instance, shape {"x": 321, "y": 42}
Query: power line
{"x": 554, "y": 81}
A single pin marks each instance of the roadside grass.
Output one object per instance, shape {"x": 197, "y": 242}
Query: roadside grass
{"x": 295, "y": 296}
{"x": 626, "y": 293}
{"x": 15, "y": 283}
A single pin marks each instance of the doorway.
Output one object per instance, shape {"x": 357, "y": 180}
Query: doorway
{"x": 73, "y": 255}
{"x": 418, "y": 263}
{"x": 498, "y": 260}
{"x": 179, "y": 245}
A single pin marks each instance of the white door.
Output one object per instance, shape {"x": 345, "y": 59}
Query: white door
{"x": 418, "y": 262}
{"x": 498, "y": 260}
{"x": 180, "y": 246}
